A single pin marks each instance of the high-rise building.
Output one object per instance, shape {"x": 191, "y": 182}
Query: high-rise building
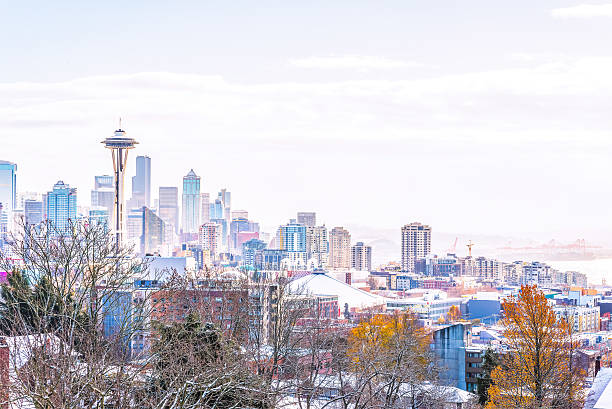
{"x": 223, "y": 244}
{"x": 226, "y": 202}
{"x": 61, "y": 207}
{"x": 134, "y": 227}
{"x": 252, "y": 253}
{"x": 292, "y": 239}
{"x": 168, "y": 207}
{"x": 209, "y": 236}
{"x": 308, "y": 219}
{"x": 152, "y": 237}
{"x": 98, "y": 216}
{"x": 205, "y": 202}
{"x": 119, "y": 144}
{"x": 103, "y": 181}
{"x": 317, "y": 246}
{"x": 361, "y": 257}
{"x": 416, "y": 244}
{"x": 8, "y": 193}
{"x": 191, "y": 203}
{"x": 216, "y": 209}
{"x": 33, "y": 211}
{"x": 103, "y": 195}
{"x": 238, "y": 224}
{"x": 339, "y": 248}
{"x": 141, "y": 183}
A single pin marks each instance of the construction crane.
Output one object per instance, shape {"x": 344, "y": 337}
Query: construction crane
{"x": 469, "y": 246}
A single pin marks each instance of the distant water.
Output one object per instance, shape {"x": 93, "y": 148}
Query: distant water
{"x": 596, "y": 269}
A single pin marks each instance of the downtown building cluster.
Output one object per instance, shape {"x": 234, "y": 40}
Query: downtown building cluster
{"x": 198, "y": 235}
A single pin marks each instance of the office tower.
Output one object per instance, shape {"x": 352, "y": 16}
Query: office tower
{"x": 141, "y": 183}
{"x": 339, "y": 248}
{"x": 223, "y": 244}
{"x": 153, "y": 235}
{"x": 103, "y": 181}
{"x": 191, "y": 203}
{"x": 168, "y": 207}
{"x": 317, "y": 246}
{"x": 33, "y": 211}
{"x": 226, "y": 202}
{"x": 119, "y": 144}
{"x": 61, "y": 207}
{"x": 205, "y": 200}
{"x": 216, "y": 210}
{"x": 8, "y": 193}
{"x": 308, "y": 219}
{"x": 98, "y": 216}
{"x": 292, "y": 239}
{"x": 361, "y": 257}
{"x": 252, "y": 253}
{"x": 416, "y": 244}
{"x": 134, "y": 226}
{"x": 209, "y": 236}
{"x": 103, "y": 195}
{"x": 237, "y": 226}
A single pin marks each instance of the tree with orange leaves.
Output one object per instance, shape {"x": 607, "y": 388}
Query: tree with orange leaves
{"x": 453, "y": 313}
{"x": 391, "y": 364}
{"x": 538, "y": 370}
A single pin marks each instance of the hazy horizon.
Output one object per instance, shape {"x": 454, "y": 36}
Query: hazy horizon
{"x": 437, "y": 113}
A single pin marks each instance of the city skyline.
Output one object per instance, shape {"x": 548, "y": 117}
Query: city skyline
{"x": 511, "y": 123}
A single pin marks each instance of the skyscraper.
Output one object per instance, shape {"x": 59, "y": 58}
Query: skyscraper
{"x": 339, "y": 249}
{"x": 308, "y": 219}
{"x": 103, "y": 195}
{"x": 416, "y": 244}
{"x": 98, "y": 216}
{"x": 361, "y": 257}
{"x": 33, "y": 211}
{"x": 168, "y": 207}
{"x": 61, "y": 207}
{"x": 152, "y": 237}
{"x": 141, "y": 183}
{"x": 8, "y": 193}
{"x": 205, "y": 203}
{"x": 317, "y": 246}
{"x": 292, "y": 239}
{"x": 226, "y": 203}
{"x": 119, "y": 144}
{"x": 103, "y": 181}
{"x": 191, "y": 203}
{"x": 216, "y": 210}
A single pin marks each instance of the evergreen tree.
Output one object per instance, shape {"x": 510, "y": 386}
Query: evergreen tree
{"x": 489, "y": 362}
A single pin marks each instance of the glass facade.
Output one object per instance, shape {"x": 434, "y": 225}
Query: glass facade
{"x": 191, "y": 203}
{"x": 61, "y": 207}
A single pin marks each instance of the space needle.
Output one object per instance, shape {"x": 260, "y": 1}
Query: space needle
{"x": 119, "y": 144}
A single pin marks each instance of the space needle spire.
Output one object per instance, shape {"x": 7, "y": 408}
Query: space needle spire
{"x": 119, "y": 144}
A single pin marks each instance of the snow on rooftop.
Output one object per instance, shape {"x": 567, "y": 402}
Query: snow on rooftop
{"x": 322, "y": 284}
{"x": 600, "y": 394}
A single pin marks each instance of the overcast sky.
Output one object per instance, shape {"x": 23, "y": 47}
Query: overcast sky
{"x": 473, "y": 116}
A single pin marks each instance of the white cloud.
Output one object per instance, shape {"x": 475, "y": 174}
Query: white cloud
{"x": 536, "y": 129}
{"x": 357, "y": 62}
{"x": 584, "y": 11}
